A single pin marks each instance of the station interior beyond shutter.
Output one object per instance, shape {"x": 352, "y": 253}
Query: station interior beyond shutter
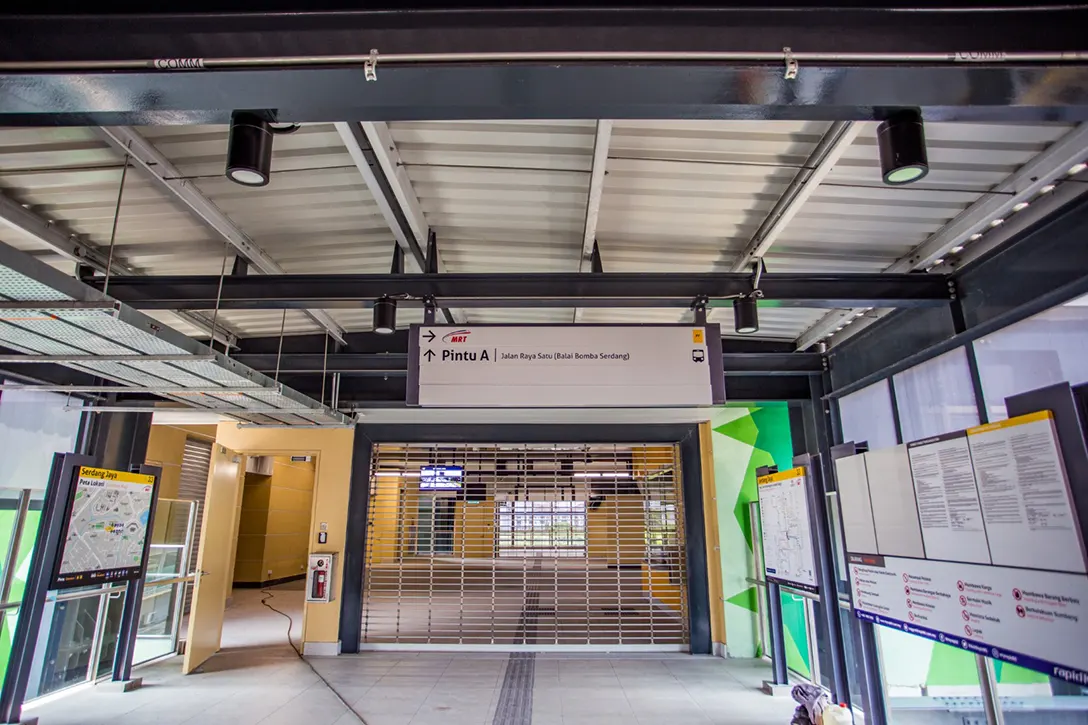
{"x": 195, "y": 463}
{"x": 536, "y": 547}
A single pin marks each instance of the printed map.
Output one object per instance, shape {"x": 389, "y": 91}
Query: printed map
{"x": 107, "y": 527}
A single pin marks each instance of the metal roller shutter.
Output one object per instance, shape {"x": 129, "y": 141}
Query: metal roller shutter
{"x": 195, "y": 463}
{"x": 531, "y": 548}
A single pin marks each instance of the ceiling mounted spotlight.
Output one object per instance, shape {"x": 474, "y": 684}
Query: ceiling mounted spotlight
{"x": 249, "y": 148}
{"x": 745, "y": 315}
{"x": 385, "y": 316}
{"x": 745, "y": 306}
{"x": 902, "y": 143}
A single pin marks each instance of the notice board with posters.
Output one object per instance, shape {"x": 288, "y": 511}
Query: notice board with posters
{"x": 106, "y": 532}
{"x": 971, "y": 539}
{"x": 786, "y": 528}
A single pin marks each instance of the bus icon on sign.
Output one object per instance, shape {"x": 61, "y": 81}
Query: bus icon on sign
{"x": 698, "y": 355}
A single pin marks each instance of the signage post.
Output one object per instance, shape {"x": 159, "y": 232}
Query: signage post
{"x": 825, "y": 572}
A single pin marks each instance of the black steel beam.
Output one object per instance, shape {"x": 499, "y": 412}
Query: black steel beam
{"x": 526, "y": 290}
{"x": 240, "y": 28}
{"x": 962, "y": 92}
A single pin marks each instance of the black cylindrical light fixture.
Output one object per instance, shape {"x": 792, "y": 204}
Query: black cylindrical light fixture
{"x": 249, "y": 149}
{"x": 385, "y": 316}
{"x": 902, "y": 142}
{"x": 745, "y": 315}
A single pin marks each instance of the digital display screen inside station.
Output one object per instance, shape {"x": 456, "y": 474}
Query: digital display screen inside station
{"x": 441, "y": 478}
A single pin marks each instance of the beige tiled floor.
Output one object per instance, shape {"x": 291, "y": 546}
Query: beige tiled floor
{"x": 258, "y": 679}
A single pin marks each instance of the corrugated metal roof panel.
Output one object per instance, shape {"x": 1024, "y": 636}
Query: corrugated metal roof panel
{"x": 510, "y": 196}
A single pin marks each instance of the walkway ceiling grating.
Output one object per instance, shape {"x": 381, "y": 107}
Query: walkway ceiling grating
{"x": 44, "y": 312}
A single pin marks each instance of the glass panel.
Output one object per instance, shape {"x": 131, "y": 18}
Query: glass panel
{"x": 111, "y": 628}
{"x": 34, "y": 426}
{"x": 936, "y": 397}
{"x": 159, "y": 615}
{"x": 17, "y": 585}
{"x": 1048, "y": 348}
{"x": 69, "y": 644}
{"x": 558, "y": 528}
{"x": 866, "y": 415}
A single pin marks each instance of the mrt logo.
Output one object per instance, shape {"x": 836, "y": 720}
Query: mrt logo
{"x": 456, "y": 336}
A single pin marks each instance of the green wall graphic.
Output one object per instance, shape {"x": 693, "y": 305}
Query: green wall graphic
{"x": 18, "y": 582}
{"x": 747, "y": 437}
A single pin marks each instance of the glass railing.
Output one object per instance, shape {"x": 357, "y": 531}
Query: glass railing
{"x": 163, "y": 601}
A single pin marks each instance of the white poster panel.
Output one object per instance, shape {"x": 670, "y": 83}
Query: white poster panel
{"x": 1026, "y": 500}
{"x": 949, "y": 510}
{"x": 895, "y": 510}
{"x": 1029, "y": 618}
{"x": 856, "y": 505}
{"x": 784, "y": 520}
{"x": 565, "y": 366}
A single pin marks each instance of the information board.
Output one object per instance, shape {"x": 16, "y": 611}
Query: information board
{"x": 1030, "y": 618}
{"x": 107, "y": 528}
{"x": 986, "y": 552}
{"x": 788, "y": 557}
{"x": 565, "y": 366}
{"x": 1026, "y": 501}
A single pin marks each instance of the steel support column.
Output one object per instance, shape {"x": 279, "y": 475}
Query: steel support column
{"x": 351, "y": 587}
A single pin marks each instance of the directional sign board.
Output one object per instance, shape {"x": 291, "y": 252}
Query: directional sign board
{"x": 570, "y": 366}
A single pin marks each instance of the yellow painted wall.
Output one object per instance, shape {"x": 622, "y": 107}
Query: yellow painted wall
{"x": 619, "y": 519}
{"x": 166, "y": 449}
{"x": 287, "y": 535}
{"x": 382, "y": 533}
{"x": 252, "y": 528}
{"x": 332, "y": 447}
{"x": 659, "y": 586}
{"x": 474, "y": 529}
{"x": 710, "y": 518}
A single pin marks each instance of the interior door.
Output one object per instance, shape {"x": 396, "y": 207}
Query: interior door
{"x": 219, "y": 530}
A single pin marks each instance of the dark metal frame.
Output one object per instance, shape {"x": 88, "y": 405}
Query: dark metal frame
{"x": 234, "y": 28}
{"x": 1041, "y": 269}
{"x": 687, "y": 436}
{"x": 537, "y": 290}
{"x": 648, "y": 89}
{"x": 825, "y": 572}
{"x": 50, "y": 533}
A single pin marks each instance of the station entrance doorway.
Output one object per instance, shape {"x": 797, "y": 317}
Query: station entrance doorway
{"x": 525, "y": 547}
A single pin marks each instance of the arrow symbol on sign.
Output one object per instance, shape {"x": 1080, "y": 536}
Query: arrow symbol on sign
{"x": 430, "y": 336}
{"x": 429, "y": 354}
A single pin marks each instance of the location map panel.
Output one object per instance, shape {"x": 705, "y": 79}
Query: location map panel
{"x": 107, "y": 528}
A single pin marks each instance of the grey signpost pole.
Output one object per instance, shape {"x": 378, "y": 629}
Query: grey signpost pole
{"x": 825, "y": 573}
